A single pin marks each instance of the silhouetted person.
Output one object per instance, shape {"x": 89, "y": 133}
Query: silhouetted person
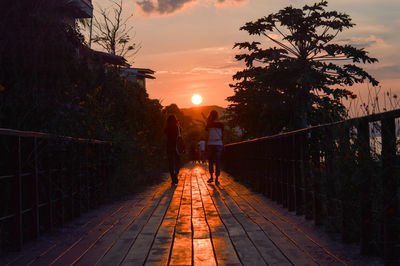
{"x": 202, "y": 150}
{"x": 214, "y": 145}
{"x": 174, "y": 161}
{"x": 193, "y": 152}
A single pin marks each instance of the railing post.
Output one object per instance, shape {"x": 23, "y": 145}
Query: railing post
{"x": 279, "y": 175}
{"x": 72, "y": 177}
{"x": 49, "y": 167}
{"x": 104, "y": 170}
{"x": 316, "y": 177}
{"x": 275, "y": 170}
{"x": 268, "y": 151}
{"x": 35, "y": 202}
{"x": 261, "y": 163}
{"x": 100, "y": 182}
{"x": 291, "y": 198}
{"x": 391, "y": 218}
{"x": 365, "y": 197}
{"x": 62, "y": 178}
{"x": 308, "y": 177}
{"x": 78, "y": 148}
{"x": 345, "y": 157}
{"x": 18, "y": 235}
{"x": 284, "y": 171}
{"x": 87, "y": 184}
{"x": 330, "y": 180}
{"x": 298, "y": 158}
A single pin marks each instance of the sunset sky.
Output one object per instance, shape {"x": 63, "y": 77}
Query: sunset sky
{"x": 189, "y": 42}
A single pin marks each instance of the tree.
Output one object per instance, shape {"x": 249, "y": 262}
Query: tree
{"x": 37, "y": 54}
{"x": 303, "y": 78}
{"x": 112, "y": 32}
{"x": 45, "y": 86}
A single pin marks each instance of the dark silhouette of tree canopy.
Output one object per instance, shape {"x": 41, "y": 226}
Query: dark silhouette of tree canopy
{"x": 303, "y": 78}
{"x": 112, "y": 33}
{"x": 37, "y": 55}
{"x": 47, "y": 86}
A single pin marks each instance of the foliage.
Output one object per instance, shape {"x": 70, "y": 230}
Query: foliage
{"x": 37, "y": 49}
{"x": 45, "y": 86}
{"x": 112, "y": 33}
{"x": 300, "y": 81}
{"x": 377, "y": 100}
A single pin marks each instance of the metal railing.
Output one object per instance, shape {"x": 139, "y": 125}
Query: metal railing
{"x": 344, "y": 176}
{"x": 47, "y": 179}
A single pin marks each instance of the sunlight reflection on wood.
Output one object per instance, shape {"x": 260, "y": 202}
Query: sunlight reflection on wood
{"x": 193, "y": 223}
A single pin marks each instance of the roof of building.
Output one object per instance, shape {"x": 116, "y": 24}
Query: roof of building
{"x": 104, "y": 57}
{"x": 84, "y": 8}
{"x": 139, "y": 72}
{"x": 111, "y": 58}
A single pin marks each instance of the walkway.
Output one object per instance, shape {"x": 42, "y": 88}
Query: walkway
{"x": 192, "y": 223}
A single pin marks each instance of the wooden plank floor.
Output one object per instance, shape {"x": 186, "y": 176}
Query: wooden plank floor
{"x": 193, "y": 223}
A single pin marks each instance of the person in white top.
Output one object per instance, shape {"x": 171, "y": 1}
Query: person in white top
{"x": 202, "y": 150}
{"x": 214, "y": 145}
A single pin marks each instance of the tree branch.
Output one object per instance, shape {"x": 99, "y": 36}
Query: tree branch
{"x": 282, "y": 45}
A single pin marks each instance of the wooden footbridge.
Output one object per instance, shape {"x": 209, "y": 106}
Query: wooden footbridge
{"x": 191, "y": 223}
{"x": 342, "y": 177}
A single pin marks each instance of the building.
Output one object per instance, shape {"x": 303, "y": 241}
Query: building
{"x": 138, "y": 75}
{"x": 78, "y": 9}
{"x": 84, "y": 9}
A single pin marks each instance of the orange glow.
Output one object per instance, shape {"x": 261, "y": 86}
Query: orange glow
{"x": 197, "y": 99}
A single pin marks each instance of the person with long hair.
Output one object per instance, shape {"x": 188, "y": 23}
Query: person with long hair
{"x": 172, "y": 129}
{"x": 214, "y": 145}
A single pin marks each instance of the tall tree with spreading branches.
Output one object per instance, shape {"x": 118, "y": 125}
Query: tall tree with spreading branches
{"x": 112, "y": 33}
{"x": 303, "y": 78}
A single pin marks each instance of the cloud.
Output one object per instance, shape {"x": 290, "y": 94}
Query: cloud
{"x": 162, "y": 7}
{"x": 213, "y": 70}
{"x": 168, "y": 7}
{"x": 367, "y": 42}
{"x": 390, "y": 71}
{"x": 229, "y": 68}
{"x": 223, "y": 3}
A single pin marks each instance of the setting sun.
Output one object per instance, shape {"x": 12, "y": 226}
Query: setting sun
{"x": 197, "y": 99}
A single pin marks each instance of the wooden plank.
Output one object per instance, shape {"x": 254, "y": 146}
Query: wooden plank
{"x": 224, "y": 250}
{"x": 311, "y": 247}
{"x": 270, "y": 253}
{"x": 100, "y": 247}
{"x": 58, "y": 241}
{"x": 79, "y": 250}
{"x": 79, "y": 247}
{"x": 161, "y": 248}
{"x": 139, "y": 250}
{"x": 287, "y": 247}
{"x": 181, "y": 253}
{"x": 121, "y": 247}
{"x": 192, "y": 223}
{"x": 159, "y": 252}
{"x": 223, "y": 247}
{"x": 247, "y": 252}
{"x": 203, "y": 252}
{"x": 118, "y": 251}
{"x": 251, "y": 202}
